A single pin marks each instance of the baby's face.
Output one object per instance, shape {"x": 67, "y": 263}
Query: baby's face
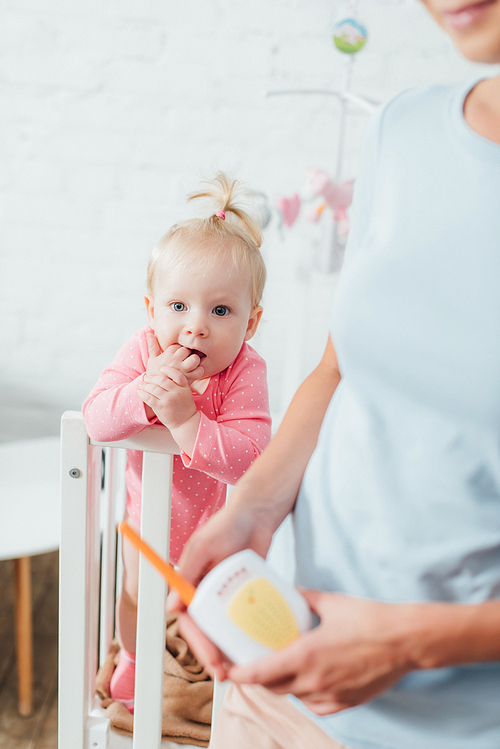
{"x": 209, "y": 312}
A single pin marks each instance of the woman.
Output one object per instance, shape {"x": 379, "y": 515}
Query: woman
{"x": 397, "y": 516}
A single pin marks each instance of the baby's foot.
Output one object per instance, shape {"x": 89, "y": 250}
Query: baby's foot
{"x": 123, "y": 680}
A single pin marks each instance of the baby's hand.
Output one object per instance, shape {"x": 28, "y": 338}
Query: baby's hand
{"x": 175, "y": 356}
{"x": 169, "y": 396}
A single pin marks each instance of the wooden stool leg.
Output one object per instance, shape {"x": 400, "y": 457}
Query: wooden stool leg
{"x": 24, "y": 634}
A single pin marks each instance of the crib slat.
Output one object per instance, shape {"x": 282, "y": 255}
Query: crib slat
{"x": 151, "y": 621}
{"x": 108, "y": 566}
{"x": 93, "y": 568}
{"x": 73, "y": 619}
{"x": 120, "y": 502}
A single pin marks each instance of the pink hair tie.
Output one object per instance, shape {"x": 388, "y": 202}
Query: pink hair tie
{"x": 221, "y": 214}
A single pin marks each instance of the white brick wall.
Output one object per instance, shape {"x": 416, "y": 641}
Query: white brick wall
{"x": 112, "y": 111}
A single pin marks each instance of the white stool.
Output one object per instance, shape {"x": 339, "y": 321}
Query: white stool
{"x": 29, "y": 512}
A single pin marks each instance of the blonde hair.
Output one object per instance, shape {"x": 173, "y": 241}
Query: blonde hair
{"x": 235, "y": 226}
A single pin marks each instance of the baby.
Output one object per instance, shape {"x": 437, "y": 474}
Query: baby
{"x": 192, "y": 370}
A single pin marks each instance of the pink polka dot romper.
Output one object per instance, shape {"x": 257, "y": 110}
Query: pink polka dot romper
{"x": 235, "y": 427}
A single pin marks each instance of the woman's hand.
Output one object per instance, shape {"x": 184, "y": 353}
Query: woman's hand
{"x": 362, "y": 647}
{"x": 233, "y": 528}
{"x": 204, "y": 649}
{"x": 355, "y": 653}
{"x": 228, "y": 531}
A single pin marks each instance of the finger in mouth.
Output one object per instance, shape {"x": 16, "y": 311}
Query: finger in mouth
{"x": 200, "y": 354}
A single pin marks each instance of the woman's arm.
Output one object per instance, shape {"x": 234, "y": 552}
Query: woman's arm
{"x": 362, "y": 647}
{"x": 274, "y": 479}
{"x": 449, "y": 634}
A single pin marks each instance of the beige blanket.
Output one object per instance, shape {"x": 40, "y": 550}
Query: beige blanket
{"x": 187, "y": 693}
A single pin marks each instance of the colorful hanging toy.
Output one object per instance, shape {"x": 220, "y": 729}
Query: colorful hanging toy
{"x": 349, "y": 37}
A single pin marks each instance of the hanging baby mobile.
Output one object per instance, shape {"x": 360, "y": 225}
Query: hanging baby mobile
{"x": 329, "y": 196}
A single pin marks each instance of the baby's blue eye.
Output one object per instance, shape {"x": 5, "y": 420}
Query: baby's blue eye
{"x": 178, "y": 306}
{"x": 221, "y": 310}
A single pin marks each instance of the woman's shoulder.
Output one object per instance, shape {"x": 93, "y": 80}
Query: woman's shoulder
{"x": 414, "y": 120}
{"x": 420, "y": 104}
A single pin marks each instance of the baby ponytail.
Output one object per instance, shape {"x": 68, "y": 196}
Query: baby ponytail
{"x": 232, "y": 218}
{"x": 229, "y": 200}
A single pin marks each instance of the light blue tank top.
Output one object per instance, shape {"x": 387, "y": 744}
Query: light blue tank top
{"x": 401, "y": 499}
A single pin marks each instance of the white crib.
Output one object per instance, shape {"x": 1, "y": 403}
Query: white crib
{"x": 88, "y": 563}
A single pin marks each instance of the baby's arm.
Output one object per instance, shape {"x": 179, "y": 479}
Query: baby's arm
{"x": 223, "y": 448}
{"x": 113, "y": 411}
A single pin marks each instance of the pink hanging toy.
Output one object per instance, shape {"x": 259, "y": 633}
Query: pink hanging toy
{"x": 289, "y": 208}
{"x": 337, "y": 195}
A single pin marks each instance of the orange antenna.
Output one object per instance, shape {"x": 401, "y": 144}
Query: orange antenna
{"x": 184, "y": 588}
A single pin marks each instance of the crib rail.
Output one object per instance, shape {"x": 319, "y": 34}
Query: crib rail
{"x": 81, "y": 583}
